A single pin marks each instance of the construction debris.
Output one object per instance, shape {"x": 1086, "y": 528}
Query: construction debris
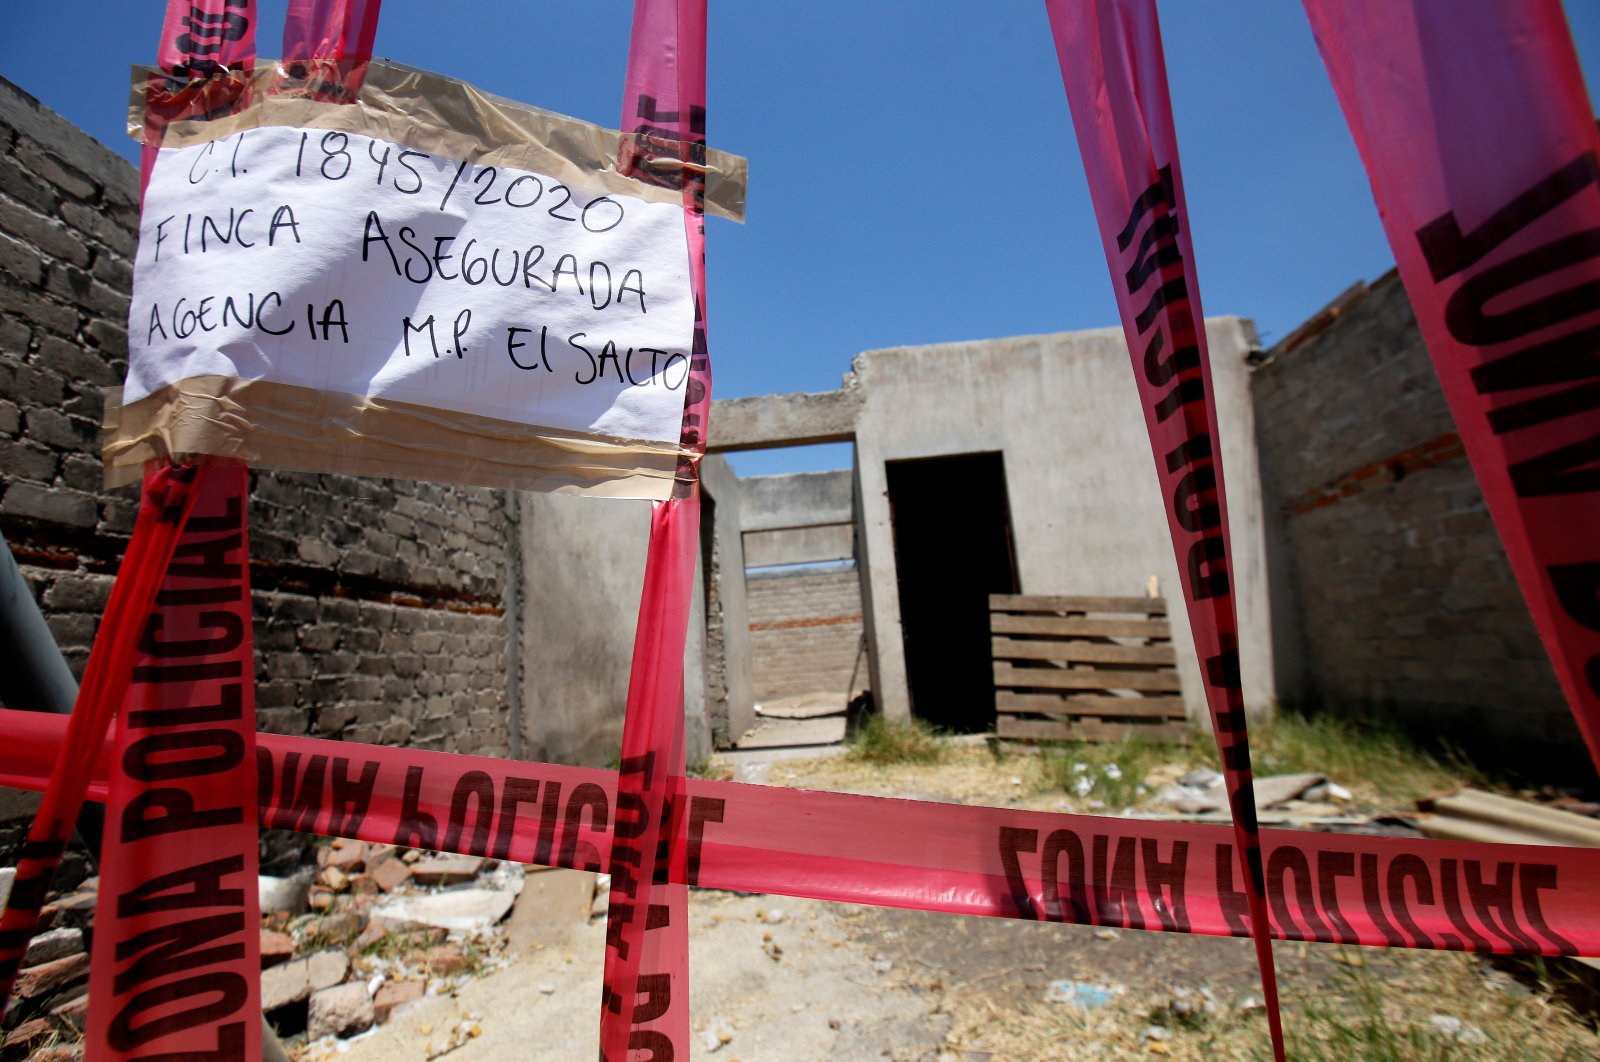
{"x": 1201, "y": 791}
{"x": 1473, "y": 815}
{"x": 385, "y": 927}
{"x": 1275, "y": 789}
{"x": 1082, "y": 994}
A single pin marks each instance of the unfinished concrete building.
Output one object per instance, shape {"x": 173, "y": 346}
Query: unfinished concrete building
{"x": 1016, "y": 466}
{"x": 1368, "y": 574}
{"x": 1369, "y": 577}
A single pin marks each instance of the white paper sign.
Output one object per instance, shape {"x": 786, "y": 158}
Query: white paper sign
{"x": 341, "y": 263}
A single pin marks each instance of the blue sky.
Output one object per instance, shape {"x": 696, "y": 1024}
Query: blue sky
{"x": 913, "y": 172}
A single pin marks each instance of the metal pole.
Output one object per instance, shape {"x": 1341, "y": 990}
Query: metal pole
{"x": 38, "y": 679}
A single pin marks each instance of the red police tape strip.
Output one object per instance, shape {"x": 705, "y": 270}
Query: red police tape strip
{"x": 330, "y": 31}
{"x": 327, "y": 45}
{"x": 176, "y": 949}
{"x": 176, "y": 954}
{"x": 1116, "y": 81}
{"x": 921, "y": 855}
{"x": 645, "y": 991}
{"x": 1485, "y": 161}
{"x": 166, "y": 912}
{"x": 647, "y": 921}
{"x": 168, "y": 495}
{"x": 205, "y": 56}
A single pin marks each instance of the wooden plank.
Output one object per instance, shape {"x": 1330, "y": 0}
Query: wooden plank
{"x": 1032, "y": 603}
{"x": 1088, "y": 730}
{"x": 1085, "y": 652}
{"x": 1055, "y": 704}
{"x": 1078, "y": 626}
{"x": 1050, "y": 678}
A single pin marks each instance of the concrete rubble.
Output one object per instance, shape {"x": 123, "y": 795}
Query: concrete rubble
{"x": 50, "y": 1001}
{"x": 396, "y": 925}
{"x": 1201, "y": 791}
{"x": 717, "y": 1034}
{"x": 346, "y": 944}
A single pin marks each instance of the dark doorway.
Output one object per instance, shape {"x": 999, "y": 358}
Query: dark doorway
{"x": 952, "y": 548}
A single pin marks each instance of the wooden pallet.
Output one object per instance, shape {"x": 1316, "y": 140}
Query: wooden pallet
{"x": 1085, "y": 669}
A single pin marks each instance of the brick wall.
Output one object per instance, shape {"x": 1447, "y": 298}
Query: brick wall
{"x": 1399, "y": 589}
{"x": 805, "y": 630}
{"x": 378, "y": 604}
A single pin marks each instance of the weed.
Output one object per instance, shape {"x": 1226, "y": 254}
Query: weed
{"x": 1359, "y": 1028}
{"x": 1380, "y": 1016}
{"x": 336, "y": 939}
{"x": 1347, "y": 749}
{"x": 1112, "y": 772}
{"x": 398, "y": 945}
{"x": 888, "y": 741}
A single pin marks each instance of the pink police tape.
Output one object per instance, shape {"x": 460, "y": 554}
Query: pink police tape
{"x": 1485, "y": 161}
{"x": 1116, "y": 81}
{"x": 920, "y": 855}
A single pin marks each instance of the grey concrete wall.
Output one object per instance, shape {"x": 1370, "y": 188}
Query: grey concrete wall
{"x": 1399, "y": 597}
{"x": 730, "y": 698}
{"x": 799, "y": 499}
{"x": 696, "y": 661}
{"x": 799, "y": 545}
{"x": 800, "y": 518}
{"x": 379, "y": 605}
{"x": 583, "y": 565}
{"x": 583, "y": 570}
{"x": 1085, "y": 503}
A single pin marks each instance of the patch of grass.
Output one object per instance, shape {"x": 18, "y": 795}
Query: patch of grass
{"x": 1350, "y": 750}
{"x": 889, "y": 741}
{"x": 1380, "y": 1007}
{"x": 1368, "y": 1016}
{"x": 1112, "y": 772}
{"x": 1359, "y": 1028}
{"x": 396, "y": 945}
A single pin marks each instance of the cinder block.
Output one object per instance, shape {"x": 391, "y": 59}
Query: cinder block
{"x": 57, "y": 506}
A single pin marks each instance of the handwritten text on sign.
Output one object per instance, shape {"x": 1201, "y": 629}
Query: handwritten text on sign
{"x": 347, "y": 264}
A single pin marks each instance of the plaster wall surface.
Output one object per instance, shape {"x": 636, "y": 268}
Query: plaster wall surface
{"x": 801, "y": 518}
{"x": 583, "y": 562}
{"x": 799, "y": 545}
{"x": 800, "y": 499}
{"x": 583, "y": 571}
{"x": 730, "y": 700}
{"x": 1086, "y": 513}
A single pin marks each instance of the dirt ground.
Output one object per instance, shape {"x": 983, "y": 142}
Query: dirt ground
{"x": 818, "y": 995}
{"x": 791, "y": 980}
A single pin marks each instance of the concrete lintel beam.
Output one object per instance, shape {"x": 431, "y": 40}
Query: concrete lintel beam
{"x": 767, "y": 421}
